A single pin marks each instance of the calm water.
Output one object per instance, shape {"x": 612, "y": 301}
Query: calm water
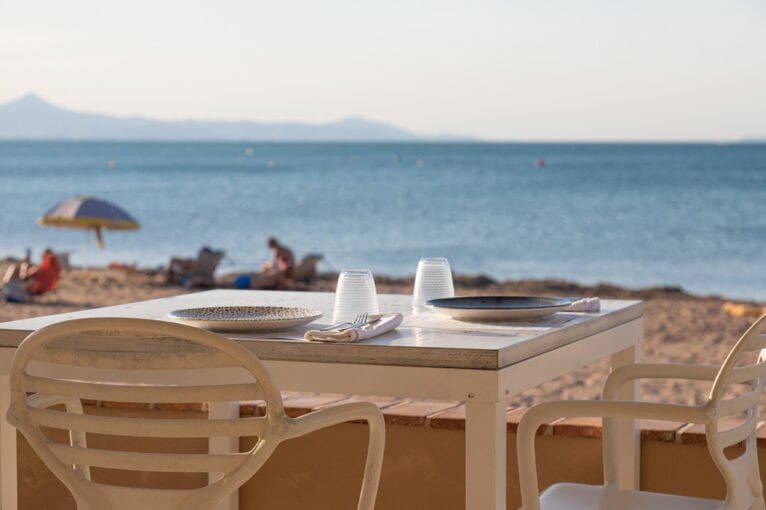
{"x": 633, "y": 214}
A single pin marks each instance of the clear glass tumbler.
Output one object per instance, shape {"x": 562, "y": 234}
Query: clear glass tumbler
{"x": 433, "y": 280}
{"x": 354, "y": 294}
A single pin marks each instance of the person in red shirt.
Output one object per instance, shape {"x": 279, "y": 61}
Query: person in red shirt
{"x": 23, "y": 281}
{"x": 46, "y": 277}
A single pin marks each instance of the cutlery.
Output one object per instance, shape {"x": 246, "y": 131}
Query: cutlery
{"x": 371, "y": 320}
{"x": 342, "y": 326}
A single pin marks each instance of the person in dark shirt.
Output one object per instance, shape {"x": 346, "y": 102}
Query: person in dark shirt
{"x": 282, "y": 261}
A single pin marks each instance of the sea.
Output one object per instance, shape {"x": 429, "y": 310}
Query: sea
{"x": 637, "y": 215}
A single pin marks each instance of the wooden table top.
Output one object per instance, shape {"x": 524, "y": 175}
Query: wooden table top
{"x": 428, "y": 340}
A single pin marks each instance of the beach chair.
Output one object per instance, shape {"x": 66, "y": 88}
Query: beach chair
{"x": 736, "y": 390}
{"x": 306, "y": 271}
{"x": 203, "y": 269}
{"x": 158, "y": 362}
{"x": 197, "y": 272}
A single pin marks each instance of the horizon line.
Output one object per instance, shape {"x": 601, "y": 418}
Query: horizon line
{"x": 739, "y": 141}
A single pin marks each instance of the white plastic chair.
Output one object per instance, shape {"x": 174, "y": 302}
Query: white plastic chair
{"x": 744, "y": 490}
{"x": 69, "y": 361}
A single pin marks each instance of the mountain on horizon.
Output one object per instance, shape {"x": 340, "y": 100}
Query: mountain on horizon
{"x": 33, "y": 118}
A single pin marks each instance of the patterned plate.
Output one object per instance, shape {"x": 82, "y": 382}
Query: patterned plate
{"x": 246, "y": 318}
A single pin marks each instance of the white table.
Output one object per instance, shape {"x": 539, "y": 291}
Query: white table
{"x": 428, "y": 356}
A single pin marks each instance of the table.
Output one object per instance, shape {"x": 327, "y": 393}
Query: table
{"x": 428, "y": 356}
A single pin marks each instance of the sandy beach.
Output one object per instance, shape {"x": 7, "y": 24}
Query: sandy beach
{"x": 678, "y": 327}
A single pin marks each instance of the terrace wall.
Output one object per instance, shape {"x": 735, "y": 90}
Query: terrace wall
{"x": 424, "y": 461}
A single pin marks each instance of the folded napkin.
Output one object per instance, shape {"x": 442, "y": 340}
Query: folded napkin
{"x": 386, "y": 323}
{"x": 591, "y": 304}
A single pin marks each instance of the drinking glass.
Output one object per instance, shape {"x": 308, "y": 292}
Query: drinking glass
{"x": 433, "y": 280}
{"x": 354, "y": 294}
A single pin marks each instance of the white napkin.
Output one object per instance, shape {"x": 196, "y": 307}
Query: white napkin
{"x": 386, "y": 323}
{"x": 585, "y": 305}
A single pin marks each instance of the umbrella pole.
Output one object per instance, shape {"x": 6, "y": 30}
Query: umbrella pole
{"x": 85, "y": 252}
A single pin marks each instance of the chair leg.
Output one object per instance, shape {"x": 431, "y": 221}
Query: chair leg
{"x": 8, "y": 461}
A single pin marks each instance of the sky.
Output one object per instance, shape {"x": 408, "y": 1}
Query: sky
{"x": 499, "y": 70}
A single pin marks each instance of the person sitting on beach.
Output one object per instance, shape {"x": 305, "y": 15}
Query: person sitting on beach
{"x": 282, "y": 261}
{"x": 275, "y": 273}
{"x": 22, "y": 281}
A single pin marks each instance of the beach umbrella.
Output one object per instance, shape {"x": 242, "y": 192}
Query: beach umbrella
{"x": 88, "y": 213}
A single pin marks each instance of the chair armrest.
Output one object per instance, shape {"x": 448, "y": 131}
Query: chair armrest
{"x": 73, "y": 406}
{"x": 343, "y": 413}
{"x": 42, "y": 401}
{"x": 542, "y": 413}
{"x": 627, "y": 373}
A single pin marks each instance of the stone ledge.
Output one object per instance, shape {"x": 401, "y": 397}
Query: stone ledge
{"x": 449, "y": 415}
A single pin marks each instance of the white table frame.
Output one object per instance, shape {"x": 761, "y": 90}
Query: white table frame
{"x": 485, "y": 392}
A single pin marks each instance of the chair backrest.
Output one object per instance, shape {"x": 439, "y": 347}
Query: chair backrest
{"x": 206, "y": 263}
{"x": 203, "y": 269}
{"x": 141, "y": 361}
{"x": 306, "y": 271}
{"x": 735, "y": 392}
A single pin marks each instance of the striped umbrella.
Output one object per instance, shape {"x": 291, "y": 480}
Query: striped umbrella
{"x": 88, "y": 213}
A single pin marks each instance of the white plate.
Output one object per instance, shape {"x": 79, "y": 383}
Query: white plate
{"x": 498, "y": 308}
{"x": 246, "y": 318}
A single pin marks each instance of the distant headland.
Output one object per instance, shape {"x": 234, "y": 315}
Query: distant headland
{"x": 33, "y": 118}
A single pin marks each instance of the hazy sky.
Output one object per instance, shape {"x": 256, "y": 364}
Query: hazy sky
{"x": 506, "y": 70}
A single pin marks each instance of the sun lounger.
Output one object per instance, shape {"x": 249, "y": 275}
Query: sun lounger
{"x": 203, "y": 270}
{"x": 195, "y": 272}
{"x": 306, "y": 271}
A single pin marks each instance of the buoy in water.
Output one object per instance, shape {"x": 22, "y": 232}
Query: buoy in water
{"x": 539, "y": 163}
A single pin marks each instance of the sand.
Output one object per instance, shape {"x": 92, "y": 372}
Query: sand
{"x": 679, "y": 327}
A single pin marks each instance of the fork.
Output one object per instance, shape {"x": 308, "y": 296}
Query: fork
{"x": 358, "y": 321}
{"x": 342, "y": 326}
